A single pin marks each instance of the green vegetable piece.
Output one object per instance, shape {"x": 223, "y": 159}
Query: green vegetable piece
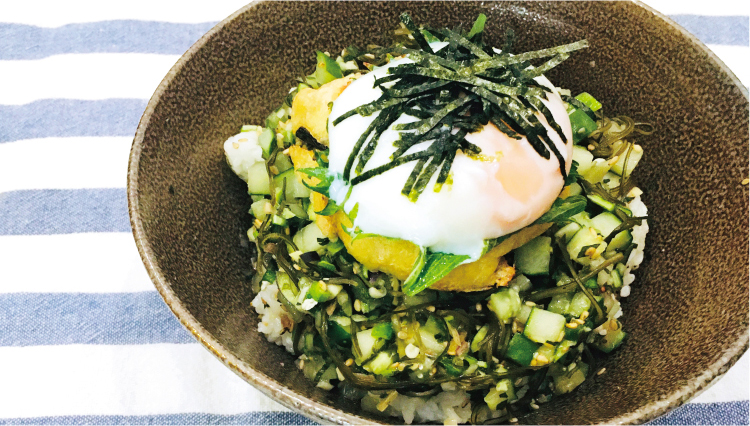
{"x": 544, "y": 326}
{"x": 581, "y": 124}
{"x": 505, "y": 303}
{"x": 562, "y": 348}
{"x": 589, "y": 101}
{"x": 559, "y": 303}
{"x": 429, "y": 269}
{"x": 601, "y": 202}
{"x": 610, "y": 341}
{"x": 578, "y": 304}
{"x": 382, "y": 364}
{"x": 339, "y": 331}
{"x": 533, "y": 258}
{"x": 569, "y": 380}
{"x": 479, "y": 338}
{"x": 383, "y": 330}
{"x": 450, "y": 367}
{"x": 564, "y": 209}
{"x": 478, "y": 26}
{"x": 521, "y": 349}
{"x": 327, "y": 69}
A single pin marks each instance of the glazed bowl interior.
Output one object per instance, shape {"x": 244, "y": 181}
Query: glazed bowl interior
{"x": 687, "y": 316}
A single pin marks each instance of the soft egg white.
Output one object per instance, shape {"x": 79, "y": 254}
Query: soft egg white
{"x": 507, "y": 188}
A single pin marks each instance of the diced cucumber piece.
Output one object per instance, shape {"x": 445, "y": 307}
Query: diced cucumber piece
{"x": 381, "y": 364}
{"x": 610, "y": 341}
{"x": 533, "y": 257}
{"x": 578, "y": 304}
{"x": 589, "y": 101}
{"x": 601, "y": 202}
{"x": 298, "y": 211}
{"x": 367, "y": 344}
{"x": 545, "y": 352}
{"x": 566, "y": 232}
{"x": 605, "y": 223}
{"x": 621, "y": 268}
{"x": 494, "y": 397}
{"x": 521, "y": 349}
{"x": 581, "y": 124}
{"x": 595, "y": 173}
{"x": 520, "y": 283}
{"x": 562, "y": 348}
{"x": 559, "y": 303}
{"x": 635, "y": 156}
{"x": 294, "y": 187}
{"x": 427, "y": 296}
{"x": 582, "y": 219}
{"x": 306, "y": 239}
{"x": 267, "y": 141}
{"x": 321, "y": 292}
{"x": 582, "y": 240}
{"x": 278, "y": 220}
{"x": 505, "y": 303}
{"x": 283, "y": 163}
{"x": 261, "y": 209}
{"x": 569, "y": 380}
{"x": 313, "y": 364}
{"x": 616, "y": 279}
{"x": 544, "y": 326}
{"x": 523, "y": 313}
{"x": 583, "y": 157}
{"x": 257, "y": 179}
{"x": 434, "y": 337}
{"x": 574, "y": 189}
{"x": 339, "y": 330}
{"x": 619, "y": 242}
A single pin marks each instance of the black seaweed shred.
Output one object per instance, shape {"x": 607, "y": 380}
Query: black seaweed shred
{"x": 452, "y": 92}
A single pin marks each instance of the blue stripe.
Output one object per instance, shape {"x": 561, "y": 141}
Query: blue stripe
{"x": 64, "y": 211}
{"x": 256, "y": 418}
{"x": 70, "y": 117}
{"x": 728, "y": 30}
{"x": 35, "y": 319}
{"x": 724, "y": 413}
{"x": 717, "y": 413}
{"x": 29, "y": 42}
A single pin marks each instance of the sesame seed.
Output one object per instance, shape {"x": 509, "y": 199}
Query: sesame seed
{"x": 534, "y": 406}
{"x": 433, "y": 371}
{"x": 402, "y": 335}
{"x": 242, "y": 140}
{"x": 357, "y": 305}
{"x": 614, "y": 325}
{"x": 235, "y": 145}
{"x": 514, "y": 420}
{"x": 431, "y": 308}
{"x": 411, "y": 351}
{"x": 592, "y": 231}
{"x": 637, "y": 148}
{"x": 530, "y": 303}
{"x": 602, "y": 289}
{"x": 274, "y": 170}
{"x": 584, "y": 315}
{"x": 301, "y": 364}
{"x": 297, "y": 267}
{"x": 479, "y": 307}
{"x": 349, "y": 362}
{"x": 600, "y": 372}
{"x": 331, "y": 308}
{"x": 603, "y": 332}
{"x": 571, "y": 325}
{"x": 613, "y": 160}
{"x": 745, "y": 181}
{"x": 591, "y": 147}
{"x": 286, "y": 151}
{"x": 590, "y": 252}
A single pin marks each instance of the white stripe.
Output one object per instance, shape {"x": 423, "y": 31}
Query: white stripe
{"x": 122, "y": 380}
{"x": 51, "y": 13}
{"x": 701, "y": 7}
{"x": 737, "y": 58}
{"x": 64, "y": 163}
{"x": 732, "y": 387}
{"x": 90, "y": 76}
{"x": 72, "y": 263}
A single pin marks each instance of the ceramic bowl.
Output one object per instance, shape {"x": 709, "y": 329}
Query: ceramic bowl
{"x": 687, "y": 315}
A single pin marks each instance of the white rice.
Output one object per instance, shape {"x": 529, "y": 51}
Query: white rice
{"x": 271, "y": 312}
{"x": 639, "y": 239}
{"x": 447, "y": 407}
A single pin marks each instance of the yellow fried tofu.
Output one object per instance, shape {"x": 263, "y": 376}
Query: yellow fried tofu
{"x": 310, "y": 108}
{"x": 303, "y": 158}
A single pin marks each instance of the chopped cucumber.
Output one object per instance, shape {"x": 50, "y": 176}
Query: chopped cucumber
{"x": 339, "y": 330}
{"x": 566, "y": 381}
{"x": 267, "y": 141}
{"x": 562, "y": 348}
{"x": 589, "y": 101}
{"x": 610, "y": 341}
{"x": 582, "y": 219}
{"x": 368, "y": 344}
{"x": 601, "y": 202}
{"x": 523, "y": 313}
{"x": 581, "y": 124}
{"x": 505, "y": 303}
{"x": 381, "y": 364}
{"x": 595, "y": 173}
{"x": 283, "y": 163}
{"x": 544, "y": 326}
{"x": 605, "y": 223}
{"x": 581, "y": 241}
{"x": 261, "y": 209}
{"x": 583, "y": 157}
{"x": 635, "y": 156}
{"x": 616, "y": 279}
{"x": 294, "y": 187}
{"x": 566, "y": 232}
{"x": 479, "y": 337}
{"x": 559, "y": 303}
{"x": 544, "y": 355}
{"x": 306, "y": 239}
{"x": 620, "y": 242}
{"x": 257, "y": 179}
{"x": 520, "y": 283}
{"x": 434, "y": 336}
{"x": 521, "y": 349}
{"x": 578, "y": 304}
{"x": 533, "y": 258}
{"x": 610, "y": 181}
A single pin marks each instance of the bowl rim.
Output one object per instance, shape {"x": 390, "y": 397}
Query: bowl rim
{"x": 319, "y": 411}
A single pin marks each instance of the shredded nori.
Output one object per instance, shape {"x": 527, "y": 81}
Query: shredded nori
{"x": 451, "y": 92}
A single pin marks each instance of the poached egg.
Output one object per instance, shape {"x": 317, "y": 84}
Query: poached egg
{"x": 505, "y": 188}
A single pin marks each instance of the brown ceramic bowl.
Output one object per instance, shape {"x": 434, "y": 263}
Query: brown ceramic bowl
{"x": 688, "y": 312}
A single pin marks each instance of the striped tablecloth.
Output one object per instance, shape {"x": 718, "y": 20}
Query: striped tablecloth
{"x": 84, "y": 337}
